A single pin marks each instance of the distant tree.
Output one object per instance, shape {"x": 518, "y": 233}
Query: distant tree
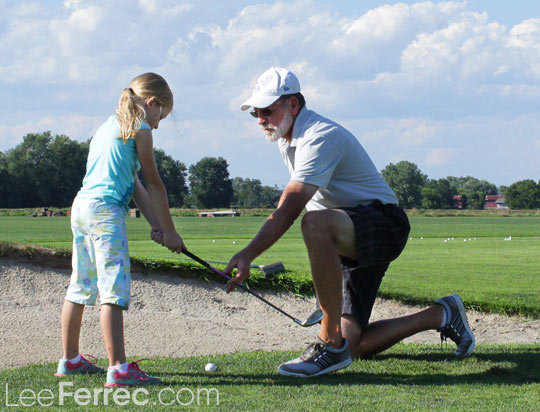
{"x": 474, "y": 189}
{"x": 437, "y": 194}
{"x": 446, "y": 193}
{"x": 5, "y": 183}
{"x": 502, "y": 189}
{"x": 237, "y": 185}
{"x": 250, "y": 193}
{"x": 28, "y": 166}
{"x": 406, "y": 180}
{"x": 44, "y": 170}
{"x": 247, "y": 192}
{"x": 524, "y": 194}
{"x": 270, "y": 196}
{"x": 69, "y": 167}
{"x": 430, "y": 198}
{"x": 173, "y": 173}
{"x": 210, "y": 184}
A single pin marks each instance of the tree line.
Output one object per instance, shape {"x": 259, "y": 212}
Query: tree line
{"x": 47, "y": 170}
{"x": 415, "y": 190}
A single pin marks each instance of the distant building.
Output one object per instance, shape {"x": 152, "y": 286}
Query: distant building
{"x": 223, "y": 213}
{"x": 495, "y": 202}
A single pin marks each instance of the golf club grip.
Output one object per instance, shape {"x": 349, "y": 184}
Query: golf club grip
{"x": 219, "y": 272}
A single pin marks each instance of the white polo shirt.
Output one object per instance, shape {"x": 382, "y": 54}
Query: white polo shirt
{"x": 325, "y": 154}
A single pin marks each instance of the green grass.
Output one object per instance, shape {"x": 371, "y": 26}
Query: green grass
{"x": 490, "y": 273}
{"x": 404, "y": 378}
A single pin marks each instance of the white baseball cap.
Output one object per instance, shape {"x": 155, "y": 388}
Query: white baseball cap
{"x": 273, "y": 83}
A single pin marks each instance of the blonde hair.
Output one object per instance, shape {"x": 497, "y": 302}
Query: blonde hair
{"x": 130, "y": 111}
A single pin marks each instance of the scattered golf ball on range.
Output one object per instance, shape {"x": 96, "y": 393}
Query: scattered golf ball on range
{"x": 210, "y": 367}
{"x": 214, "y": 241}
{"x": 234, "y": 242}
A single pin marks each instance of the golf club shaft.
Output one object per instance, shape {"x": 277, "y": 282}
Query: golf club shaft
{"x": 252, "y": 266}
{"x": 219, "y": 272}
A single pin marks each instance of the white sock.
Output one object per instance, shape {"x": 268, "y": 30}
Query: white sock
{"x": 444, "y": 319}
{"x": 123, "y": 367}
{"x": 76, "y": 359}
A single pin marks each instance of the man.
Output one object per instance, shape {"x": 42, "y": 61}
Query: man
{"x": 353, "y": 229}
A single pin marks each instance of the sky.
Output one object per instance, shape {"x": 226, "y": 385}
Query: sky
{"x": 452, "y": 86}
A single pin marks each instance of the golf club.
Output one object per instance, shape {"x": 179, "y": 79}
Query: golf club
{"x": 268, "y": 270}
{"x": 312, "y": 319}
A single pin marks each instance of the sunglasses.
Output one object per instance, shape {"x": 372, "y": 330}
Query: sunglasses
{"x": 262, "y": 112}
{"x": 266, "y": 111}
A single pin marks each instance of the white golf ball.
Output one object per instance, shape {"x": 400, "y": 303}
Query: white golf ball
{"x": 214, "y": 241}
{"x": 234, "y": 242}
{"x": 210, "y": 367}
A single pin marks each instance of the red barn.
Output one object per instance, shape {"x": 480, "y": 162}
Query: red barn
{"x": 495, "y": 202}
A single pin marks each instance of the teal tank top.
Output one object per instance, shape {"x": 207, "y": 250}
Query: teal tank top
{"x": 111, "y": 166}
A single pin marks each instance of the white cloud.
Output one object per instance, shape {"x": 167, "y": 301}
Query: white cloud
{"x": 168, "y": 9}
{"x": 440, "y": 156}
{"x": 414, "y": 131}
{"x": 525, "y": 35}
{"x": 391, "y": 25}
{"x": 424, "y": 81}
{"x": 148, "y": 6}
{"x": 78, "y": 127}
{"x": 73, "y": 34}
{"x": 404, "y": 132}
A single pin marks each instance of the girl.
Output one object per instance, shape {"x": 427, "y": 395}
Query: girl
{"x": 120, "y": 147}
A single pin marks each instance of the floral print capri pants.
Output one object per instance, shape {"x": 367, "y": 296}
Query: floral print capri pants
{"x": 100, "y": 254}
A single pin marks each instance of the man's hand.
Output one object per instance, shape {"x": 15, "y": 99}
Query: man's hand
{"x": 292, "y": 201}
{"x": 241, "y": 262}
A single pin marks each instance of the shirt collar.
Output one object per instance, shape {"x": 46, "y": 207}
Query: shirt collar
{"x": 298, "y": 125}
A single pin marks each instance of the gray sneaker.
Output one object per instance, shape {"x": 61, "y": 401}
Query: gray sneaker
{"x": 457, "y": 327}
{"x": 319, "y": 358}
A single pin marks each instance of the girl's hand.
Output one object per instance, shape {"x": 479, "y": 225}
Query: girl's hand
{"x": 157, "y": 235}
{"x": 173, "y": 241}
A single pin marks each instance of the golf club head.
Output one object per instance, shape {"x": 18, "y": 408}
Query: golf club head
{"x": 312, "y": 319}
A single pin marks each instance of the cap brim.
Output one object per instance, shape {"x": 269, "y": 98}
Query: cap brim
{"x": 259, "y": 101}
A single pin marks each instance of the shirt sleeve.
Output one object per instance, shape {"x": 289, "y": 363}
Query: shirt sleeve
{"x": 145, "y": 126}
{"x": 316, "y": 159}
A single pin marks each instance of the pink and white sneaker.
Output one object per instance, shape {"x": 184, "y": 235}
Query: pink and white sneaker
{"x": 134, "y": 376}
{"x": 84, "y": 366}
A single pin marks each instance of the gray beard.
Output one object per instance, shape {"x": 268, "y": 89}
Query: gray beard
{"x": 282, "y": 129}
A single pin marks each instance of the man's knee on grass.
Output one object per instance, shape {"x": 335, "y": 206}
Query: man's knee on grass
{"x": 353, "y": 333}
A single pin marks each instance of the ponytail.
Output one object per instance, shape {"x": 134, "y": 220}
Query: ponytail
{"x": 130, "y": 112}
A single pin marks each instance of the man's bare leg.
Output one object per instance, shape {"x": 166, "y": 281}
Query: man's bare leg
{"x": 328, "y": 234}
{"x": 380, "y": 335}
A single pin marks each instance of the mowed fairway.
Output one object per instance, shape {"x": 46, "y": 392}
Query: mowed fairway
{"x": 491, "y": 273}
{"x": 405, "y": 378}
